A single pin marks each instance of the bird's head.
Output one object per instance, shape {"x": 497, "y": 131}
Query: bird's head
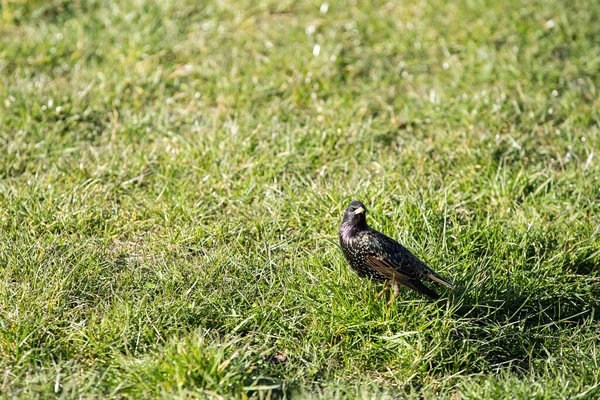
{"x": 356, "y": 213}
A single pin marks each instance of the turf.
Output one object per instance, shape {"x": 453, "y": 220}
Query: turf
{"x": 173, "y": 175}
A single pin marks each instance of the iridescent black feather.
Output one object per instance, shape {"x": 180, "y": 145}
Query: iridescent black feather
{"x": 374, "y": 255}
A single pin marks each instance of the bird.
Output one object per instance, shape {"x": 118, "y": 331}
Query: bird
{"x": 371, "y": 254}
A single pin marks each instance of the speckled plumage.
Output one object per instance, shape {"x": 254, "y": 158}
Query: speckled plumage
{"x": 374, "y": 255}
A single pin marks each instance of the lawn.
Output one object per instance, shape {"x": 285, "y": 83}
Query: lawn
{"x": 173, "y": 175}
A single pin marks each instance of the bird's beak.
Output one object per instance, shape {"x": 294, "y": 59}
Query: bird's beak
{"x": 360, "y": 210}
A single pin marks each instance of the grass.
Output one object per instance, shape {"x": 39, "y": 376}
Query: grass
{"x": 173, "y": 174}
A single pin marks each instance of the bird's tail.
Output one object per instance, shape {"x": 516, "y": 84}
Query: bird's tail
{"x": 436, "y": 278}
{"x": 417, "y": 286}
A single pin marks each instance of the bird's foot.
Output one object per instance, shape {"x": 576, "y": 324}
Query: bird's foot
{"x": 395, "y": 294}
{"x": 385, "y": 289}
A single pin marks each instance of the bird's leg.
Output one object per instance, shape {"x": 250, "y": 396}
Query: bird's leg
{"x": 395, "y": 294}
{"x": 385, "y": 289}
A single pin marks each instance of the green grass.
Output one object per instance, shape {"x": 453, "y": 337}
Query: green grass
{"x": 173, "y": 174}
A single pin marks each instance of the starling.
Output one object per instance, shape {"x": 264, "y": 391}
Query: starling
{"x": 373, "y": 255}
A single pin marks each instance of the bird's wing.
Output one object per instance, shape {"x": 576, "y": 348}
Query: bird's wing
{"x": 385, "y": 268}
{"x": 383, "y": 257}
{"x": 393, "y": 260}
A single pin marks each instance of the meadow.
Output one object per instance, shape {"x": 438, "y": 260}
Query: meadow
{"x": 173, "y": 175}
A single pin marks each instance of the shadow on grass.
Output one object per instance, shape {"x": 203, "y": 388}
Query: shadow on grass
{"x": 518, "y": 327}
{"x": 270, "y": 389}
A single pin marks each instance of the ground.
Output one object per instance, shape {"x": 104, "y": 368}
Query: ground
{"x": 173, "y": 175}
